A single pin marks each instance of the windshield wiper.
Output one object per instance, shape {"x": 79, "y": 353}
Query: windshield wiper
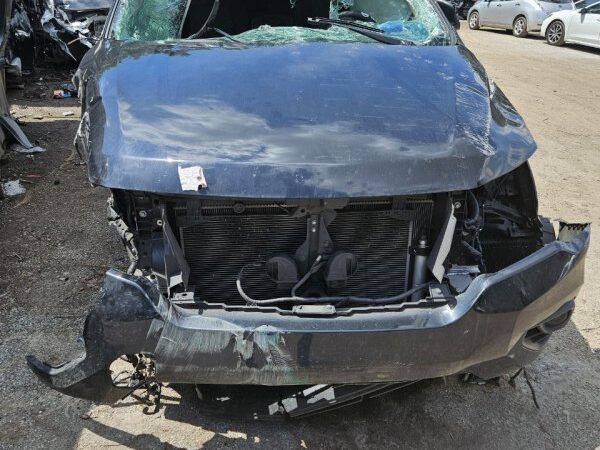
{"x": 211, "y": 18}
{"x": 372, "y": 32}
{"x": 225, "y": 34}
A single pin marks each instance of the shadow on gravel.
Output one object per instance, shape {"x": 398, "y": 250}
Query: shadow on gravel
{"x": 584, "y": 48}
{"x": 535, "y": 36}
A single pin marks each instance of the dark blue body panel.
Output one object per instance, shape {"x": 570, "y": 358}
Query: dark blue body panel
{"x": 308, "y": 120}
{"x": 205, "y": 346}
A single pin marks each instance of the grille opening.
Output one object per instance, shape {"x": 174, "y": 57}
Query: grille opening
{"x": 381, "y": 244}
{"x": 226, "y": 238}
{"x": 219, "y": 247}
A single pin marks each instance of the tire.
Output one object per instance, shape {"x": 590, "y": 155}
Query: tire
{"x": 555, "y": 33}
{"x": 520, "y": 27}
{"x": 474, "y": 21}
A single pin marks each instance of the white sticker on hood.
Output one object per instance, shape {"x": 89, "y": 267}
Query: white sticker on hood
{"x": 192, "y": 178}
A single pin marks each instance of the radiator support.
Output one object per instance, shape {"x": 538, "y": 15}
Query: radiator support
{"x": 226, "y": 238}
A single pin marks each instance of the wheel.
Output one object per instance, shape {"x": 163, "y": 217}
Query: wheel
{"x": 555, "y": 33}
{"x": 520, "y": 27}
{"x": 474, "y": 21}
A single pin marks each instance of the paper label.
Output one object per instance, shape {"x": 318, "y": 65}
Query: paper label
{"x": 192, "y": 178}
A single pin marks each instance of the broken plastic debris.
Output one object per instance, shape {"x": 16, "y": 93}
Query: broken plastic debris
{"x": 393, "y": 26}
{"x": 327, "y": 394}
{"x": 68, "y": 113}
{"x": 22, "y": 149}
{"x": 69, "y": 87}
{"x": 60, "y": 94}
{"x": 275, "y": 408}
{"x": 13, "y": 188}
{"x": 192, "y": 178}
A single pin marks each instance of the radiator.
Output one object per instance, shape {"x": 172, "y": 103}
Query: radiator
{"x": 224, "y": 240}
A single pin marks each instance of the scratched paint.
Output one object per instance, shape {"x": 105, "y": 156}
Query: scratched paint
{"x": 188, "y": 340}
{"x": 271, "y": 343}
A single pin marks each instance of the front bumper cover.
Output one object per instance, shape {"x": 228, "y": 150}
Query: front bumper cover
{"x": 484, "y": 332}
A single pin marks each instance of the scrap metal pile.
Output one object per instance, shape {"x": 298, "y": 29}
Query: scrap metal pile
{"x": 9, "y": 130}
{"x": 40, "y": 33}
{"x": 51, "y": 32}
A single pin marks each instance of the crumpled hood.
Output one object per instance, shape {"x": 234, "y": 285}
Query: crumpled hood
{"x": 298, "y": 121}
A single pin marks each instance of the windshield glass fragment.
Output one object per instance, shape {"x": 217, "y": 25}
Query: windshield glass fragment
{"x": 277, "y": 21}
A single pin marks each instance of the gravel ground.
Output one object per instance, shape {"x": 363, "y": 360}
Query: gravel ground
{"x": 56, "y": 245}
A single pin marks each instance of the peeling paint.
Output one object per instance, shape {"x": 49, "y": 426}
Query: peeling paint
{"x": 259, "y": 352}
{"x": 567, "y": 267}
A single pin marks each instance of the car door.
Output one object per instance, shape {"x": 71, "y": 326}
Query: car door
{"x": 508, "y": 12}
{"x": 490, "y": 12}
{"x": 483, "y": 8}
{"x": 584, "y": 27}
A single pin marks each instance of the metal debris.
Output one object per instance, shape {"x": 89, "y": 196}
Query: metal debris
{"x": 9, "y": 129}
{"x": 22, "y": 149}
{"x": 55, "y": 31}
{"x": 326, "y": 397}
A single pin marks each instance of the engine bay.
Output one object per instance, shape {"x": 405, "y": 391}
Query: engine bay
{"x": 329, "y": 256}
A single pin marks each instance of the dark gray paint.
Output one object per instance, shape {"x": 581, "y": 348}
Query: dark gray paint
{"x": 296, "y": 121}
{"x": 228, "y": 347}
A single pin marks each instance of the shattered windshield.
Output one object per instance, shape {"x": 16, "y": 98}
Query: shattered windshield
{"x": 280, "y": 21}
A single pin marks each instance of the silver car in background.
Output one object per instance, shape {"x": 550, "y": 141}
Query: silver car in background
{"x": 520, "y": 16}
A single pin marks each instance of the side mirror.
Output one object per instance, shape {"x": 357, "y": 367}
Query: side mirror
{"x": 449, "y": 11}
{"x": 583, "y": 11}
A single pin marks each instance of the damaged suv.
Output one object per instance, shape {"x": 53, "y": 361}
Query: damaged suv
{"x": 310, "y": 192}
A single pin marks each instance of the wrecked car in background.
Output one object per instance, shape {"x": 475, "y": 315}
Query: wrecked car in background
{"x": 4, "y": 107}
{"x": 310, "y": 192}
{"x": 53, "y": 31}
{"x": 9, "y": 129}
{"x": 74, "y": 24}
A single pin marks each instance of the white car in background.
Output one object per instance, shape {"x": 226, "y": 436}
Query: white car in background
{"x": 520, "y": 16}
{"x": 581, "y": 26}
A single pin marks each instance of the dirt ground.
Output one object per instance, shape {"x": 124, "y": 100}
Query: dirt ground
{"x": 55, "y": 245}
